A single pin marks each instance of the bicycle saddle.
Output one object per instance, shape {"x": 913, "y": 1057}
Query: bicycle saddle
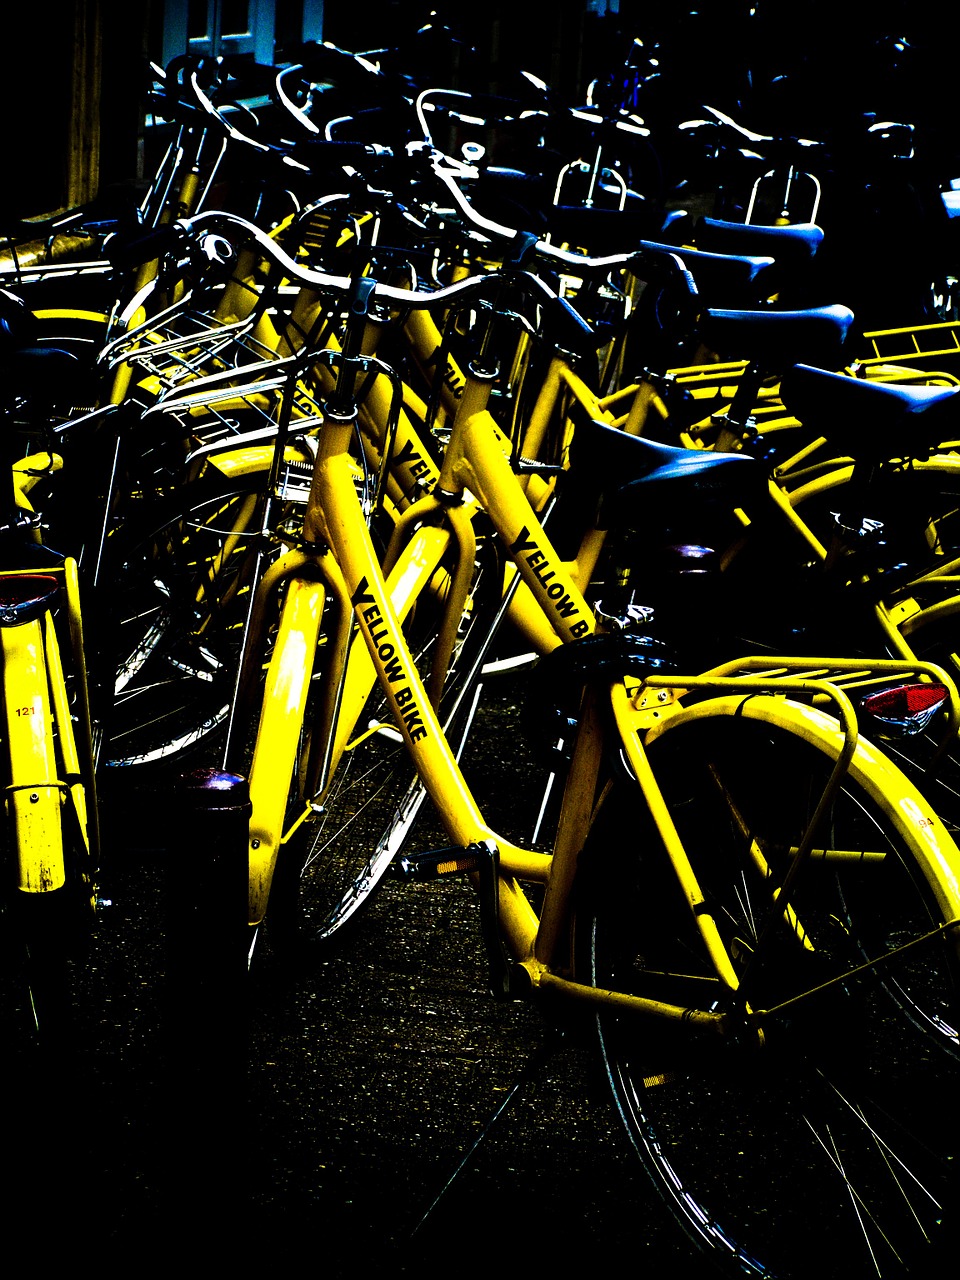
{"x": 633, "y": 481}
{"x": 795, "y": 248}
{"x": 792, "y": 245}
{"x": 737, "y": 279}
{"x": 872, "y": 420}
{"x": 777, "y": 339}
{"x": 43, "y": 373}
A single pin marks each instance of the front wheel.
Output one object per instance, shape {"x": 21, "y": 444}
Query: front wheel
{"x": 818, "y": 1137}
{"x": 333, "y": 863}
{"x": 175, "y": 606}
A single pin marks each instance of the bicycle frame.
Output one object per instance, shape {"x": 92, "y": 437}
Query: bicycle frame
{"x": 415, "y": 555}
{"x": 44, "y": 779}
{"x": 336, "y": 559}
{"x": 810, "y": 471}
{"x": 52, "y": 829}
{"x": 475, "y": 458}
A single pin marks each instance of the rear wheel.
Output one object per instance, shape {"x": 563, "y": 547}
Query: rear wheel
{"x": 826, "y": 1146}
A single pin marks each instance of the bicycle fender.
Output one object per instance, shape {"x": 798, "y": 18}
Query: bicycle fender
{"x": 34, "y": 796}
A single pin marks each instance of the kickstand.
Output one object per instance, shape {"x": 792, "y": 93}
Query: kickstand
{"x": 525, "y": 1075}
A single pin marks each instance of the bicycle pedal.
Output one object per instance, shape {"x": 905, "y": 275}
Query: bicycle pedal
{"x": 432, "y": 864}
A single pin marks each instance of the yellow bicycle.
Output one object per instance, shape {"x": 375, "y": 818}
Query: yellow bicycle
{"x": 50, "y": 840}
{"x": 787, "y": 950}
{"x": 755, "y": 906}
{"x": 758, "y": 908}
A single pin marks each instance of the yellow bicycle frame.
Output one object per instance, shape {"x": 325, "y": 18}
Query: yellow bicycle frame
{"x": 535, "y": 941}
{"x": 47, "y": 771}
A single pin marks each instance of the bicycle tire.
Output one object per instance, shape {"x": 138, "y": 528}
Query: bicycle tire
{"x": 332, "y": 867}
{"x": 176, "y": 602}
{"x": 781, "y": 1159}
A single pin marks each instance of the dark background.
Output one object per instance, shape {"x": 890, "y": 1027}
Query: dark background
{"x": 76, "y": 73}
{"x": 368, "y": 1074}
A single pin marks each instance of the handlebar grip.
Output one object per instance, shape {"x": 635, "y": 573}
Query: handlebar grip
{"x": 665, "y": 265}
{"x": 320, "y": 153}
{"x": 127, "y": 250}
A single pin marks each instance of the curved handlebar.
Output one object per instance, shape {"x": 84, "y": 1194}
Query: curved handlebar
{"x": 322, "y": 280}
{"x": 665, "y": 260}
{"x": 660, "y": 256}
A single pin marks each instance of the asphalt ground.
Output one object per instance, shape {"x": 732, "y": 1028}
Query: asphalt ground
{"x": 368, "y": 1076}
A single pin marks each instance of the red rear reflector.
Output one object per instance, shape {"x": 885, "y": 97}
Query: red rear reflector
{"x": 905, "y": 700}
{"x": 908, "y": 708}
{"x": 24, "y": 596}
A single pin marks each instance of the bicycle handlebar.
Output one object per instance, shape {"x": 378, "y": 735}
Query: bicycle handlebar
{"x": 667, "y": 261}
{"x": 324, "y": 281}
{"x": 209, "y": 230}
{"x": 582, "y": 263}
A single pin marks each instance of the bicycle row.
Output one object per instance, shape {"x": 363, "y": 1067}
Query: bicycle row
{"x": 340, "y": 481}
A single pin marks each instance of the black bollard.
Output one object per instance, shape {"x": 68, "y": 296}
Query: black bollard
{"x": 206, "y": 1011}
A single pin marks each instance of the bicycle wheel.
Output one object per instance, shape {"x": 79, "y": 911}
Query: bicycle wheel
{"x": 827, "y": 1148}
{"x": 176, "y": 604}
{"x": 335, "y": 861}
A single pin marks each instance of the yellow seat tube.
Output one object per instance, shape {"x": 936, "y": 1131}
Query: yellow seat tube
{"x": 485, "y": 471}
{"x": 334, "y": 508}
{"x": 408, "y": 578}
